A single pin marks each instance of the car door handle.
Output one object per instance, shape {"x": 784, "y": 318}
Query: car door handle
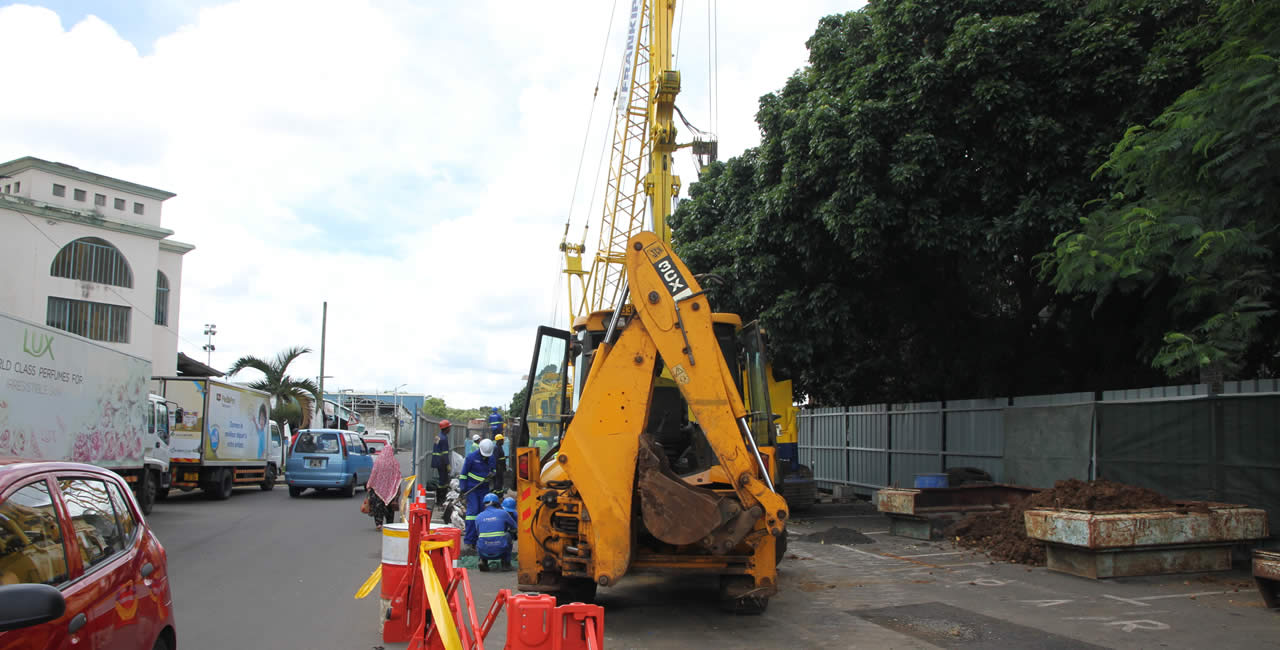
{"x": 147, "y": 570}
{"x": 76, "y": 623}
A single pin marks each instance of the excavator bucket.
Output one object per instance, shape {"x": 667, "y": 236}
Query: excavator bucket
{"x": 678, "y": 513}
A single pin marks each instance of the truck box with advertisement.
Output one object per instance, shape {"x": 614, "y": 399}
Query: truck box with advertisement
{"x": 221, "y": 435}
{"x": 67, "y": 398}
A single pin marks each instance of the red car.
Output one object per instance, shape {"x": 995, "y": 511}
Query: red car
{"x": 79, "y": 568}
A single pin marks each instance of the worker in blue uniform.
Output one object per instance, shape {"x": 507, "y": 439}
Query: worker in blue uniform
{"x": 496, "y": 530}
{"x": 509, "y": 504}
{"x": 474, "y": 482}
{"x": 495, "y": 422}
{"x": 440, "y": 461}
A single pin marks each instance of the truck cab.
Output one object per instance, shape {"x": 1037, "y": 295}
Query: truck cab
{"x": 153, "y": 482}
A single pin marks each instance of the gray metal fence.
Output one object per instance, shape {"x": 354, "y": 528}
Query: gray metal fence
{"x": 1033, "y": 439}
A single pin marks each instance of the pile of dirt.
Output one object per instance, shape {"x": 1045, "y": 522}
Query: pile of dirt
{"x": 1003, "y": 535}
{"x": 835, "y": 535}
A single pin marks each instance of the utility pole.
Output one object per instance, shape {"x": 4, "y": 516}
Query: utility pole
{"x": 324, "y": 321}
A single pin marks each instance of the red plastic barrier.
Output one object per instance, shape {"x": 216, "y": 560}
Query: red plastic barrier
{"x": 534, "y": 622}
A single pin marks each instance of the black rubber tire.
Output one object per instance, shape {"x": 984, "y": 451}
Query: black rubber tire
{"x": 223, "y": 486}
{"x": 349, "y": 490}
{"x": 146, "y": 492}
{"x": 576, "y": 590}
{"x": 269, "y": 480}
{"x": 162, "y": 493}
{"x": 161, "y": 643}
{"x": 295, "y": 492}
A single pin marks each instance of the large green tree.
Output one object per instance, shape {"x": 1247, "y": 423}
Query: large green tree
{"x": 1193, "y": 224}
{"x": 885, "y": 229}
{"x": 285, "y": 389}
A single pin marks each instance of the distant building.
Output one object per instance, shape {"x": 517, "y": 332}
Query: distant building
{"x": 86, "y": 253}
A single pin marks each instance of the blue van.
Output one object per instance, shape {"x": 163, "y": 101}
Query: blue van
{"x": 327, "y": 459}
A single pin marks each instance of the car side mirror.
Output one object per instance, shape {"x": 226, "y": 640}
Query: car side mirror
{"x": 29, "y": 604}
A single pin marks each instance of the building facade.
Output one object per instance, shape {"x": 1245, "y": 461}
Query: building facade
{"x": 86, "y": 253}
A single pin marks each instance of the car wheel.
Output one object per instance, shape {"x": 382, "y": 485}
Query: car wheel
{"x": 295, "y": 491}
{"x": 350, "y": 489}
{"x": 146, "y": 491}
{"x": 269, "y": 481}
{"x": 223, "y": 485}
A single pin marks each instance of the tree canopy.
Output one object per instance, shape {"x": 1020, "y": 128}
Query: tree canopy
{"x": 885, "y": 231}
{"x": 283, "y": 388}
{"x": 1197, "y": 201}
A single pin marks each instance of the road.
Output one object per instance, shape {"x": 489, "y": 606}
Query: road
{"x": 262, "y": 570}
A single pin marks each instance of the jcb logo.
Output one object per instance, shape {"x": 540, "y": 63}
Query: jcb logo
{"x": 37, "y": 344}
{"x": 676, "y": 285}
{"x": 656, "y": 252}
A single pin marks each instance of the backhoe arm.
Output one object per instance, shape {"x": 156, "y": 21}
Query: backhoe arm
{"x": 677, "y": 316}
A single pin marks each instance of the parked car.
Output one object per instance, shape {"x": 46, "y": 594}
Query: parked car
{"x": 376, "y": 441}
{"x": 327, "y": 459}
{"x": 78, "y": 563}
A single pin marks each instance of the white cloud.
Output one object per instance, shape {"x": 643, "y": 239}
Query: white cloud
{"x": 411, "y": 163}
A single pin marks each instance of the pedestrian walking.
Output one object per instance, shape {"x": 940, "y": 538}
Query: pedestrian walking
{"x": 383, "y": 486}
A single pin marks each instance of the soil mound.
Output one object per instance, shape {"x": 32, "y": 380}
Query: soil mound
{"x": 1003, "y": 535}
{"x": 836, "y": 535}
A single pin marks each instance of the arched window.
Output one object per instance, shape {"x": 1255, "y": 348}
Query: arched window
{"x": 93, "y": 260}
{"x": 162, "y": 298}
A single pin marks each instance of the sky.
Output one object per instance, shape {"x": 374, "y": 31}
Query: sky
{"x": 411, "y": 163}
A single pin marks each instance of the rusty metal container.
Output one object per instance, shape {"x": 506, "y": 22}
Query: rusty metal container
{"x": 924, "y": 513}
{"x": 1266, "y": 572}
{"x": 1149, "y": 542}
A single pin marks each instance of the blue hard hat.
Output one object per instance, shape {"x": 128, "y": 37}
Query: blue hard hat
{"x": 508, "y": 504}
{"x": 495, "y": 409}
{"x": 490, "y": 498}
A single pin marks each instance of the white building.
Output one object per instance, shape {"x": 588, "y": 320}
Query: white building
{"x": 86, "y": 253}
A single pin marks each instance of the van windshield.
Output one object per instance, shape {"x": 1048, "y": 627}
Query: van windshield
{"x": 318, "y": 443}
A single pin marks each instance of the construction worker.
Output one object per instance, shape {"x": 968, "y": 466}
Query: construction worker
{"x": 509, "y": 504}
{"x": 495, "y": 423}
{"x": 477, "y": 470}
{"x": 500, "y": 464}
{"x": 475, "y": 442}
{"x": 440, "y": 460}
{"x": 496, "y": 530}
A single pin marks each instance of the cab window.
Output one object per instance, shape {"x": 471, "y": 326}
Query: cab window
{"x": 96, "y": 533}
{"x": 31, "y": 549}
{"x": 162, "y": 421}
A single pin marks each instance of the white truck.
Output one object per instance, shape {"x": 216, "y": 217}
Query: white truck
{"x": 67, "y": 398}
{"x": 222, "y": 436}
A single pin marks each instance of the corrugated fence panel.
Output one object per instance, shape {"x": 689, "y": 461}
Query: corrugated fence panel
{"x": 1155, "y": 392}
{"x": 915, "y": 442}
{"x": 1052, "y": 400}
{"x": 975, "y": 435}
{"x": 1251, "y": 386}
{"x": 821, "y": 434}
{"x": 868, "y": 442}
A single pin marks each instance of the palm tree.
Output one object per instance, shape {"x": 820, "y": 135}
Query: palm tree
{"x": 283, "y": 388}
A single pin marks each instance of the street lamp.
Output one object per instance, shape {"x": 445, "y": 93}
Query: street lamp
{"x": 395, "y": 392}
{"x": 210, "y": 330}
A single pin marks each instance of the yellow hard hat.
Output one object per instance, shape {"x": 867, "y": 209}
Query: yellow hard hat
{"x": 499, "y": 437}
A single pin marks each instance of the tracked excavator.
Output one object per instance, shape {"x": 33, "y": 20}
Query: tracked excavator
{"x": 661, "y": 467}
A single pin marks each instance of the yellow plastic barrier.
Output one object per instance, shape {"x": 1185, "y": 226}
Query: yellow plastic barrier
{"x": 440, "y": 613}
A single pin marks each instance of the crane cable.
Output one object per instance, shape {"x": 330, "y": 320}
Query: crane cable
{"x": 582, "y": 155}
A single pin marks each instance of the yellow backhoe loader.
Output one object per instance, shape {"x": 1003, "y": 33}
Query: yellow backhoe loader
{"x": 661, "y": 467}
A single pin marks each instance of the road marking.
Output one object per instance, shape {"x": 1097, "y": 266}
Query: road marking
{"x": 877, "y": 532}
{"x": 1202, "y": 593}
{"x": 932, "y": 554}
{"x": 1141, "y": 624}
{"x": 991, "y": 582}
{"x": 1050, "y": 603}
{"x": 1088, "y": 618}
{"x": 1131, "y": 601}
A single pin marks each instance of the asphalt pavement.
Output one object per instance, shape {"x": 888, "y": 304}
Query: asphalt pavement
{"x": 262, "y": 570}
